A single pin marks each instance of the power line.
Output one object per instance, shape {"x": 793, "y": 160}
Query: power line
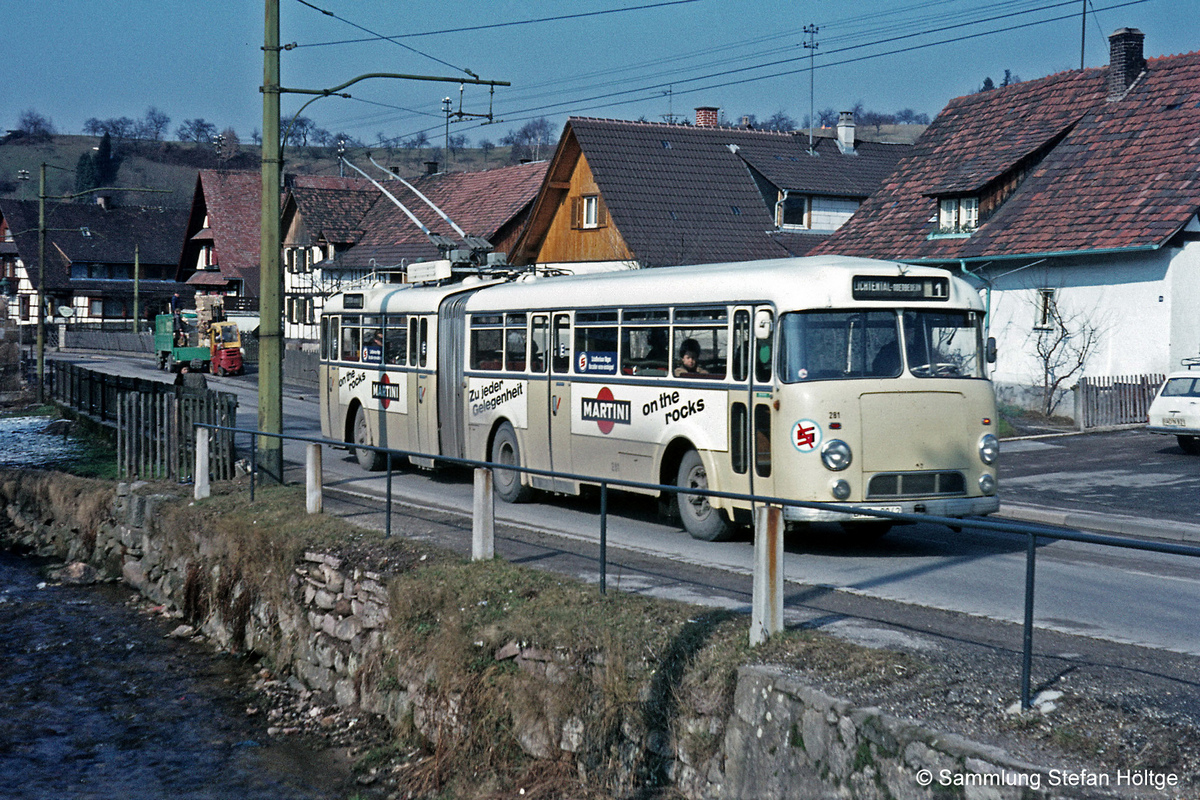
{"x": 378, "y": 37}
{"x": 653, "y": 91}
{"x": 388, "y": 38}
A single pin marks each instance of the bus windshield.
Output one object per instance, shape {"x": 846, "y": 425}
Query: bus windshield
{"x": 832, "y": 345}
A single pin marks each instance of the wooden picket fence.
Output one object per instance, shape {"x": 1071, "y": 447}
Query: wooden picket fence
{"x": 1115, "y": 400}
{"x": 156, "y": 434}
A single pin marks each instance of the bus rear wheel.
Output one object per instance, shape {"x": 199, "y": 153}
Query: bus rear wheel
{"x": 370, "y": 460}
{"x": 700, "y": 519}
{"x": 505, "y": 450}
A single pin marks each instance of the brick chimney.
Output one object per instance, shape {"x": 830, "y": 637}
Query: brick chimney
{"x": 706, "y": 116}
{"x": 845, "y": 132}
{"x": 431, "y": 167}
{"x": 1125, "y": 61}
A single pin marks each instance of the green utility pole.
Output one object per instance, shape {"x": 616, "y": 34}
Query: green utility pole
{"x": 270, "y": 327}
{"x": 270, "y": 317}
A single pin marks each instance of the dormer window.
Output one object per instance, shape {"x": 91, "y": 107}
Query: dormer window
{"x": 958, "y": 214}
{"x": 791, "y": 211}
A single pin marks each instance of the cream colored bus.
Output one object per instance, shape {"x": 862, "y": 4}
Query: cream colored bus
{"x": 858, "y": 383}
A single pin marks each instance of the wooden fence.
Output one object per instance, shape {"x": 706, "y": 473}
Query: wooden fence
{"x": 156, "y": 435}
{"x": 155, "y": 421}
{"x": 1115, "y": 400}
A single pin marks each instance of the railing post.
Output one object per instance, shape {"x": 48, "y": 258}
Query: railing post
{"x": 202, "y": 489}
{"x": 603, "y": 538}
{"x": 312, "y": 479}
{"x": 387, "y": 512}
{"x": 483, "y": 518}
{"x": 253, "y": 465}
{"x": 766, "y": 614}
{"x": 1027, "y": 643}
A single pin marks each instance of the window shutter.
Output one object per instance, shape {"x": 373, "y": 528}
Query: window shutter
{"x": 576, "y": 212}
{"x": 601, "y": 212}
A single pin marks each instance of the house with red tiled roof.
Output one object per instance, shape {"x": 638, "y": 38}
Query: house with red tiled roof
{"x": 223, "y": 238}
{"x": 655, "y": 194}
{"x": 339, "y": 231}
{"x": 1074, "y": 199}
{"x": 104, "y": 263}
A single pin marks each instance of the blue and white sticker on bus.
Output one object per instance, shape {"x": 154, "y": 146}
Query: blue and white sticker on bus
{"x": 806, "y": 436}
{"x": 591, "y": 362}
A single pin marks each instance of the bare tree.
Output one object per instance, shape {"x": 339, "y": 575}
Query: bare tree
{"x": 35, "y": 126}
{"x": 1061, "y": 345}
{"x": 153, "y": 126}
{"x": 195, "y": 130}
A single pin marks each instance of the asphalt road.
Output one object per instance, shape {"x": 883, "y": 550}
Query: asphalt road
{"x": 1124, "y": 482}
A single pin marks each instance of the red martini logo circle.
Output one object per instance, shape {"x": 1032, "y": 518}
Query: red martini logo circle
{"x": 385, "y": 391}
{"x": 605, "y": 410}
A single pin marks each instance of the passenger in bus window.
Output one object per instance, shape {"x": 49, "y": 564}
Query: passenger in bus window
{"x": 658, "y": 346}
{"x": 372, "y": 352}
{"x": 689, "y": 359}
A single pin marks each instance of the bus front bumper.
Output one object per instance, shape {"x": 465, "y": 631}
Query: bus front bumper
{"x": 938, "y": 507}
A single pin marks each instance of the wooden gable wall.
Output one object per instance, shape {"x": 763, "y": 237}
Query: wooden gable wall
{"x": 565, "y": 240}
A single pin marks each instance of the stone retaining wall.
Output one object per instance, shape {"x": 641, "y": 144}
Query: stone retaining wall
{"x": 326, "y": 620}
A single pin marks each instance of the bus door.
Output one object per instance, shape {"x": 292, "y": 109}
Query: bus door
{"x": 559, "y": 399}
{"x": 535, "y": 453}
{"x": 422, "y": 400}
{"x": 751, "y": 402}
{"x": 451, "y": 382}
{"x": 332, "y": 424}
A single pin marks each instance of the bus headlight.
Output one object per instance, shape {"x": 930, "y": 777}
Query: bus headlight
{"x": 989, "y": 448}
{"x": 840, "y": 489}
{"x": 987, "y": 485}
{"x": 836, "y": 455}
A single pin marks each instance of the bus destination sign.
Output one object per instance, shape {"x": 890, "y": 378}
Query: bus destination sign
{"x": 870, "y": 287}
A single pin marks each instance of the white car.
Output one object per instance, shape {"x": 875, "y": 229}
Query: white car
{"x": 1176, "y": 410}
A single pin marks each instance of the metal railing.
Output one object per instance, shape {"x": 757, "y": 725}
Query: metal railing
{"x": 766, "y": 588}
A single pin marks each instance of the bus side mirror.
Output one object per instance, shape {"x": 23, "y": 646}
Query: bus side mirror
{"x": 990, "y": 353}
{"x": 762, "y": 324}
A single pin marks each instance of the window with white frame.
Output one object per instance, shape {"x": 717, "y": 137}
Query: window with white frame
{"x": 1046, "y": 312}
{"x": 588, "y": 212}
{"x": 591, "y": 211}
{"x": 958, "y": 214}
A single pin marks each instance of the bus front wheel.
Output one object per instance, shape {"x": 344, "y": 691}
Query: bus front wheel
{"x": 700, "y": 519}
{"x": 505, "y": 450}
{"x": 370, "y": 460}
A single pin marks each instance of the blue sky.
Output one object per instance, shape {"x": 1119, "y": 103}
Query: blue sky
{"x": 71, "y": 60}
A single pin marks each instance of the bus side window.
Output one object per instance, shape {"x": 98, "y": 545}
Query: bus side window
{"x": 539, "y": 345}
{"x": 742, "y": 341}
{"x": 424, "y": 345}
{"x": 762, "y": 361}
{"x": 350, "y": 344}
{"x": 561, "y": 361}
{"x": 737, "y": 437}
{"x": 412, "y": 341}
{"x": 645, "y": 351}
{"x": 514, "y": 342}
{"x": 325, "y": 322}
{"x": 395, "y": 341}
{"x": 762, "y": 440}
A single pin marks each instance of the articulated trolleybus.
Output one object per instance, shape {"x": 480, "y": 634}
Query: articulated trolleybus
{"x": 851, "y": 382}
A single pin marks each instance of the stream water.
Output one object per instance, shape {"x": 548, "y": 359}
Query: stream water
{"x": 96, "y": 701}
